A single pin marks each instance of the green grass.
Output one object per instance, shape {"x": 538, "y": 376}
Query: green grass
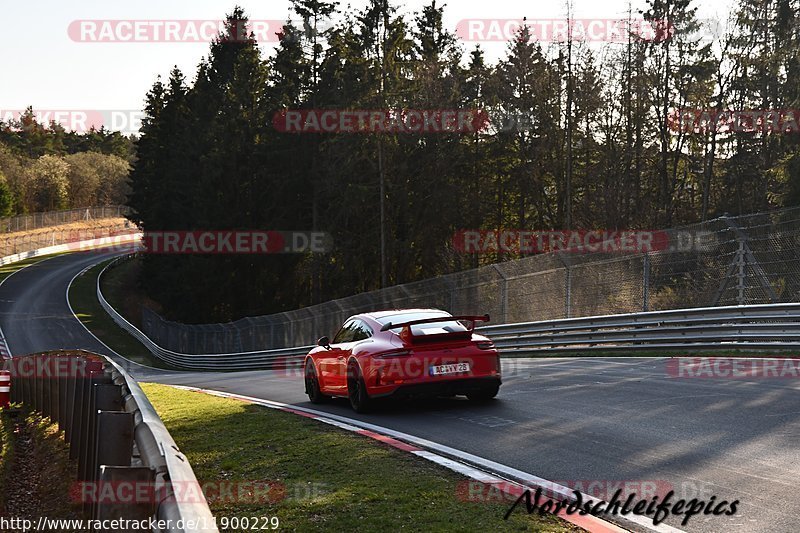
{"x": 121, "y": 291}
{"x": 83, "y": 298}
{"x": 335, "y": 480}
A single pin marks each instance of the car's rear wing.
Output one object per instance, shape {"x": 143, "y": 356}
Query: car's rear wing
{"x": 472, "y": 319}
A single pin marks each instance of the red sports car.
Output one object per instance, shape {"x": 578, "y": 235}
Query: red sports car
{"x": 403, "y": 353}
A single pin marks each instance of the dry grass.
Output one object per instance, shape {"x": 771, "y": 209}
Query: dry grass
{"x": 23, "y": 241}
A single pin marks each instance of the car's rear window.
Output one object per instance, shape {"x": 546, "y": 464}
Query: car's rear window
{"x": 434, "y": 328}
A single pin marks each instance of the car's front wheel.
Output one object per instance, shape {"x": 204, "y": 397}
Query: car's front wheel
{"x": 312, "y": 384}
{"x": 357, "y": 390}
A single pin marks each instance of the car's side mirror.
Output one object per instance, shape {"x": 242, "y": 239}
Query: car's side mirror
{"x": 325, "y": 342}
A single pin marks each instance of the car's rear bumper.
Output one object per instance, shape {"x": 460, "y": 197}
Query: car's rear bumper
{"x": 443, "y": 387}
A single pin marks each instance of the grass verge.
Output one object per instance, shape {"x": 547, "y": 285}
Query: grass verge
{"x": 83, "y": 299}
{"x": 333, "y": 480}
{"x": 35, "y": 470}
{"x": 121, "y": 289}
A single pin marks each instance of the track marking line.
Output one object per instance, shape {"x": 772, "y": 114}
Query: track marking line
{"x": 5, "y": 351}
{"x": 508, "y": 479}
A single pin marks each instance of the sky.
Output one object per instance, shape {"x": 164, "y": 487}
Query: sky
{"x": 45, "y": 64}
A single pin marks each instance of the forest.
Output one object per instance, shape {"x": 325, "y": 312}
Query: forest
{"x": 43, "y": 167}
{"x": 581, "y": 136}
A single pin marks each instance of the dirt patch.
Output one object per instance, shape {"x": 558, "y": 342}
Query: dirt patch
{"x": 37, "y": 473}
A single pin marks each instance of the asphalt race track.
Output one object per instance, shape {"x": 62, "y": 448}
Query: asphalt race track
{"x": 567, "y": 420}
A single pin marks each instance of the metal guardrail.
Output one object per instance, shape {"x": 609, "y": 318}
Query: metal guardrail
{"x": 741, "y": 260}
{"x": 116, "y": 436}
{"x": 765, "y": 326}
{"x": 267, "y": 359}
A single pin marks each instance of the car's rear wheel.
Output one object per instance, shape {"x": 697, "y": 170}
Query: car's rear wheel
{"x": 312, "y": 384}
{"x": 485, "y": 394}
{"x": 357, "y": 390}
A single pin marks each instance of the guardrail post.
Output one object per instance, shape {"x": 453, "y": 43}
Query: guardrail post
{"x": 114, "y": 439}
{"x": 646, "y": 282}
{"x": 75, "y": 419}
{"x": 141, "y": 479}
{"x": 111, "y": 445}
{"x": 44, "y": 391}
{"x": 37, "y": 382}
{"x": 105, "y": 397}
{"x": 88, "y": 437}
{"x": 80, "y": 405}
{"x": 77, "y": 369}
{"x": 65, "y": 368}
{"x": 55, "y": 387}
{"x": 47, "y": 386}
{"x": 741, "y": 274}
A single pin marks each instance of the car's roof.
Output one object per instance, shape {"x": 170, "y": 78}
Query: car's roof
{"x": 376, "y": 315}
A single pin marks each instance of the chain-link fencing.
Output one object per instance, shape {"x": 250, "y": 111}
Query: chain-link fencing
{"x": 726, "y": 261}
{"x": 28, "y": 241}
{"x": 25, "y": 233}
{"x": 57, "y": 218}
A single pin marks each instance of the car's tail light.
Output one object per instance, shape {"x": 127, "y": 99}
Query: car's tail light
{"x": 485, "y": 345}
{"x": 393, "y": 353}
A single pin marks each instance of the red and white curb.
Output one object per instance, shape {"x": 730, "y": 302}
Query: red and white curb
{"x": 514, "y": 484}
{"x": 5, "y": 353}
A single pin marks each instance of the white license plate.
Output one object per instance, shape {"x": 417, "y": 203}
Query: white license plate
{"x": 456, "y": 368}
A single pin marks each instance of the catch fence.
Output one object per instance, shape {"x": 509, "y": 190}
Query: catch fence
{"x": 57, "y": 218}
{"x": 752, "y": 259}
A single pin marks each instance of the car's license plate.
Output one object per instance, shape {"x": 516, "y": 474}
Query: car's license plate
{"x": 455, "y": 368}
